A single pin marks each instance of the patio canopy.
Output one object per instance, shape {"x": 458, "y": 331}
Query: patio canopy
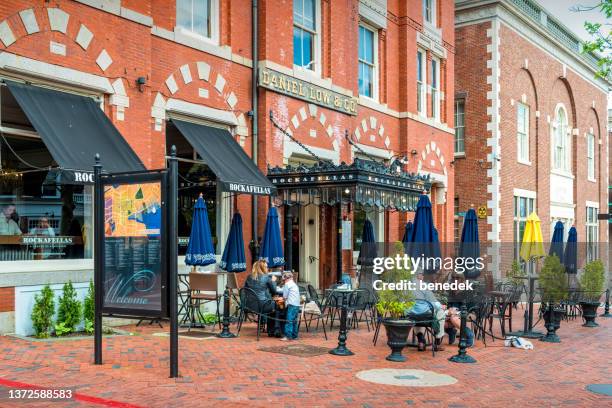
{"x": 363, "y": 182}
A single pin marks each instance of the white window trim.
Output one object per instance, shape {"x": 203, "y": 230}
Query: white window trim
{"x": 422, "y": 104}
{"x": 520, "y": 159}
{"x": 436, "y": 101}
{"x": 519, "y": 192}
{"x": 567, "y": 172}
{"x": 592, "y": 178}
{"x": 317, "y": 63}
{"x": 462, "y": 152}
{"x": 214, "y": 25}
{"x": 375, "y": 87}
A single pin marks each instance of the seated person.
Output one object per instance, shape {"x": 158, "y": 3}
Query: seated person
{"x": 422, "y": 311}
{"x": 264, "y": 287}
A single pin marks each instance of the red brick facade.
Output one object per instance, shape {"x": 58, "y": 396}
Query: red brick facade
{"x": 7, "y": 299}
{"x": 502, "y": 64}
{"x": 141, "y": 41}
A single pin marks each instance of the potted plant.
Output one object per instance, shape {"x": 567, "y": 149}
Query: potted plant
{"x": 591, "y": 288}
{"x": 553, "y": 288}
{"x": 392, "y": 306}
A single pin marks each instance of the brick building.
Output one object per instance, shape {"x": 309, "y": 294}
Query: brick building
{"x": 532, "y": 119}
{"x": 379, "y": 71}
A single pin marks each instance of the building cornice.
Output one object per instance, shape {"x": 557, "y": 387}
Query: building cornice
{"x": 535, "y": 29}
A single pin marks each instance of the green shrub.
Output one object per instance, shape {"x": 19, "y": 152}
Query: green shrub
{"x": 89, "y": 326}
{"x": 592, "y": 280}
{"x": 61, "y": 329}
{"x": 69, "y": 310}
{"x": 553, "y": 280}
{"x": 42, "y": 313}
{"x": 395, "y": 302}
{"x": 89, "y": 304}
{"x": 516, "y": 273}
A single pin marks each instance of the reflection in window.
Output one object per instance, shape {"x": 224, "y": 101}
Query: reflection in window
{"x": 522, "y": 132}
{"x": 460, "y": 126}
{"x": 561, "y": 142}
{"x": 40, "y": 218}
{"x": 366, "y": 62}
{"x": 435, "y": 89}
{"x": 592, "y": 233}
{"x": 523, "y": 206}
{"x": 195, "y": 16}
{"x": 591, "y": 156}
{"x": 421, "y": 94}
{"x": 304, "y": 33}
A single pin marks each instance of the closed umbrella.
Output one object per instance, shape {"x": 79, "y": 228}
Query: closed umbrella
{"x": 556, "y": 243}
{"x": 367, "y": 250}
{"x": 200, "y": 250}
{"x": 424, "y": 240}
{"x": 469, "y": 248}
{"x": 407, "y": 232}
{"x": 271, "y": 247}
{"x": 570, "y": 259}
{"x": 234, "y": 259}
{"x": 532, "y": 245}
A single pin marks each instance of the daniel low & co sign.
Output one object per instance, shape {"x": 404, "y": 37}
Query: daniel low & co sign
{"x": 297, "y": 88}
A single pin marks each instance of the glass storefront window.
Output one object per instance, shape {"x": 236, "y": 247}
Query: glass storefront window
{"x": 40, "y": 218}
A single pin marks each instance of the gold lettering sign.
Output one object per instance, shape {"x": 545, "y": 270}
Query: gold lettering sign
{"x": 306, "y": 91}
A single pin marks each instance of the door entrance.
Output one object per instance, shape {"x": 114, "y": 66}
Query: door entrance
{"x": 309, "y": 245}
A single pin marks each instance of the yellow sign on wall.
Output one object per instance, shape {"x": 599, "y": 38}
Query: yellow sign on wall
{"x": 482, "y": 212}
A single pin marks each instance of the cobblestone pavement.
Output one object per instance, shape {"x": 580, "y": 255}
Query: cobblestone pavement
{"x": 234, "y": 372}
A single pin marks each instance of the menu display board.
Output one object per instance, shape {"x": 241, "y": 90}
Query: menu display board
{"x": 133, "y": 274}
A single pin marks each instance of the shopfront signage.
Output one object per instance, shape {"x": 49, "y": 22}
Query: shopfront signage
{"x": 297, "y": 88}
{"x": 33, "y": 240}
{"x": 249, "y": 189}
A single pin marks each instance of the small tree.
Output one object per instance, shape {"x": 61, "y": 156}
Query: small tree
{"x": 553, "y": 280}
{"x": 69, "y": 310}
{"x": 89, "y": 308}
{"x": 42, "y": 313}
{"x": 592, "y": 280}
{"x": 516, "y": 273}
{"x": 395, "y": 302}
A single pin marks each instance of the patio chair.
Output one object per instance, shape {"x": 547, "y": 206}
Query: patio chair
{"x": 203, "y": 289}
{"x": 251, "y": 304}
{"x": 426, "y": 321}
{"x": 360, "y": 306}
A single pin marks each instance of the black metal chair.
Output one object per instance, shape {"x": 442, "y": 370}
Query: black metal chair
{"x": 251, "y": 304}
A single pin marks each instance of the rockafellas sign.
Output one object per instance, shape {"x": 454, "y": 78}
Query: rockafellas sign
{"x": 306, "y": 91}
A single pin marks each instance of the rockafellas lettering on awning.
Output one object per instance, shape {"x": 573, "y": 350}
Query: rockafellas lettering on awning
{"x": 46, "y": 240}
{"x": 248, "y": 189}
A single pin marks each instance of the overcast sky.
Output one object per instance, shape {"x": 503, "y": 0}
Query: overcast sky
{"x": 573, "y": 20}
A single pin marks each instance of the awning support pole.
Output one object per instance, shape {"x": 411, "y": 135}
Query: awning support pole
{"x": 254, "y": 245}
{"x": 288, "y": 238}
{"x": 98, "y": 236}
{"x": 172, "y": 257}
{"x": 339, "y": 243}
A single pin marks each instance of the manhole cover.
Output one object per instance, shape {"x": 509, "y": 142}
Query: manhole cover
{"x": 604, "y": 389}
{"x": 297, "y": 350}
{"x": 406, "y": 378}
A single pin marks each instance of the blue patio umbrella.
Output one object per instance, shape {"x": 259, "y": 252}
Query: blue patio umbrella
{"x": 556, "y": 243}
{"x": 367, "y": 250}
{"x": 570, "y": 258}
{"x": 407, "y": 232}
{"x": 424, "y": 240}
{"x": 233, "y": 259}
{"x": 469, "y": 247}
{"x": 200, "y": 250}
{"x": 271, "y": 246}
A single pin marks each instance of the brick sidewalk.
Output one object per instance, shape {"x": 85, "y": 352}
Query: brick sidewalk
{"x": 235, "y": 372}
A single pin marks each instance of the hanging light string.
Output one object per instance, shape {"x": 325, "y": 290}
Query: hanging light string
{"x": 290, "y": 136}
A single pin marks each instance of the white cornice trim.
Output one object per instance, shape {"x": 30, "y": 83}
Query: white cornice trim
{"x": 201, "y": 111}
{"x": 469, "y": 13}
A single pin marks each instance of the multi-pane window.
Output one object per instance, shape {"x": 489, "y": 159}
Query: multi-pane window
{"x": 523, "y": 206}
{"x": 367, "y": 64}
{"x": 592, "y": 233}
{"x": 459, "y": 126}
{"x": 435, "y": 88}
{"x": 304, "y": 33}
{"x": 429, "y": 14}
{"x": 560, "y": 147}
{"x": 195, "y": 16}
{"x": 591, "y": 156}
{"x": 522, "y": 132}
{"x": 421, "y": 94}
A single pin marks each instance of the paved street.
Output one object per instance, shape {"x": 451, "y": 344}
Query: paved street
{"x": 237, "y": 373}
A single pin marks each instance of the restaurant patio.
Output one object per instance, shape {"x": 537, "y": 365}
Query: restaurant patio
{"x": 245, "y": 372}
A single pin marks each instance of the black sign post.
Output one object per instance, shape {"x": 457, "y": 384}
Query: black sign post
{"x": 172, "y": 258}
{"x": 98, "y": 261}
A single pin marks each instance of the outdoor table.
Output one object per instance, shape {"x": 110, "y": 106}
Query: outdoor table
{"x": 341, "y": 349}
{"x": 528, "y": 324}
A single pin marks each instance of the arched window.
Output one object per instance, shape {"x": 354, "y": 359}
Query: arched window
{"x": 561, "y": 141}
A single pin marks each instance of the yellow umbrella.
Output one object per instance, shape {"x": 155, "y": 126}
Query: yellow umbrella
{"x": 533, "y": 243}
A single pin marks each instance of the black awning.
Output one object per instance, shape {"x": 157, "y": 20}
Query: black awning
{"x": 235, "y": 171}
{"x": 74, "y": 129}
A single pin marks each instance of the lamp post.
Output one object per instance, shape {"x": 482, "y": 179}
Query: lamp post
{"x": 607, "y": 306}
{"x": 341, "y": 349}
{"x": 462, "y": 356}
{"x": 225, "y": 333}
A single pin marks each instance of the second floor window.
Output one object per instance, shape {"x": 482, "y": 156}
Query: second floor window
{"x": 561, "y": 141}
{"x": 429, "y": 11}
{"x": 522, "y": 133}
{"x": 304, "y": 33}
{"x": 421, "y": 95}
{"x": 196, "y": 16}
{"x": 367, "y": 64}
{"x": 523, "y": 206}
{"x": 435, "y": 89}
{"x": 591, "y": 157}
{"x": 460, "y": 126}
